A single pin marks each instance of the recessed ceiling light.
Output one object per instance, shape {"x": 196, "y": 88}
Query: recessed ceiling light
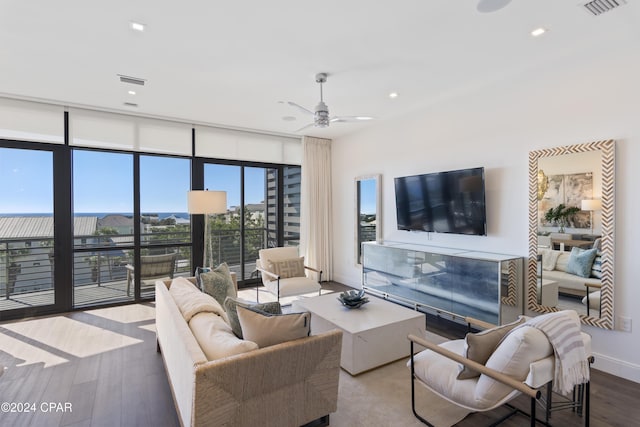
{"x": 538, "y": 32}
{"x": 136, "y": 26}
{"x": 393, "y": 95}
{"x": 132, "y": 92}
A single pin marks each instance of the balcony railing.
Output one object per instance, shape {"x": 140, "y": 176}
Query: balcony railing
{"x": 27, "y": 265}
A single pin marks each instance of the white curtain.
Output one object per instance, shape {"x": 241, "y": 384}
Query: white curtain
{"x": 315, "y": 209}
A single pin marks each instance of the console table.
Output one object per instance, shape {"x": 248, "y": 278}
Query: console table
{"x": 460, "y": 283}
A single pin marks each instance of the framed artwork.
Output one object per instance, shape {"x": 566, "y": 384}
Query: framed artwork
{"x": 569, "y": 190}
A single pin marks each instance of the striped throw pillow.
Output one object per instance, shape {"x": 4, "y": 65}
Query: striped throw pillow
{"x": 596, "y": 268}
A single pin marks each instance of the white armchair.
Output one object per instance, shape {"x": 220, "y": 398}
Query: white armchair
{"x": 522, "y": 363}
{"x": 284, "y": 273}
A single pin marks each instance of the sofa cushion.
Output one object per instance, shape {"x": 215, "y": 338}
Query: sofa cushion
{"x": 580, "y": 261}
{"x": 479, "y": 346}
{"x": 218, "y": 283}
{"x": 216, "y": 338}
{"x": 231, "y": 304}
{"x": 286, "y": 268}
{"x": 269, "y": 329}
{"x": 513, "y": 357}
{"x": 191, "y": 301}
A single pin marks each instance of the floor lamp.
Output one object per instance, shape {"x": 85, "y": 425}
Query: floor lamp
{"x": 205, "y": 202}
{"x": 591, "y": 205}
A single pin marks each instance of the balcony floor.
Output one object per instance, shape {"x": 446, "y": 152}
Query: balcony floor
{"x": 83, "y": 295}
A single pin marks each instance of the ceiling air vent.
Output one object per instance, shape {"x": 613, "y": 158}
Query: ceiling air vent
{"x": 132, "y": 80}
{"x": 598, "y": 7}
{"x": 131, "y": 104}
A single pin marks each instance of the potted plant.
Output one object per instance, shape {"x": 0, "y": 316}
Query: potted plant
{"x": 561, "y": 215}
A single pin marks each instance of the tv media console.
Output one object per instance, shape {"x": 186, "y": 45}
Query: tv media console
{"x": 455, "y": 282}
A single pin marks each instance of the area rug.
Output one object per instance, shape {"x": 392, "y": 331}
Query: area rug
{"x": 382, "y": 397}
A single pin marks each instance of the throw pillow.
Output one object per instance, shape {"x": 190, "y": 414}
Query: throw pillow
{"x": 596, "y": 267}
{"x": 215, "y": 337}
{"x": 479, "y": 346}
{"x": 580, "y": 261}
{"x": 563, "y": 261}
{"x": 268, "y": 329}
{"x": 231, "y": 307}
{"x": 549, "y": 258}
{"x": 218, "y": 283}
{"x": 199, "y": 271}
{"x": 287, "y": 268}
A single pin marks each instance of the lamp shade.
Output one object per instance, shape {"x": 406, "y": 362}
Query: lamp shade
{"x": 591, "y": 205}
{"x": 206, "y": 202}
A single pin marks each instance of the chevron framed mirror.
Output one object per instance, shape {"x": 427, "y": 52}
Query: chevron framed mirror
{"x": 571, "y": 231}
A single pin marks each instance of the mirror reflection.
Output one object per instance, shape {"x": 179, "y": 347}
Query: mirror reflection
{"x": 572, "y": 225}
{"x": 368, "y": 221}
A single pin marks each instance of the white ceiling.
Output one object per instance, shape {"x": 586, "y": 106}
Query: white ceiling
{"x": 230, "y": 63}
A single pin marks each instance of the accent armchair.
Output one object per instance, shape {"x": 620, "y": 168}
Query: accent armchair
{"x": 522, "y": 362}
{"x": 151, "y": 267}
{"x": 284, "y": 273}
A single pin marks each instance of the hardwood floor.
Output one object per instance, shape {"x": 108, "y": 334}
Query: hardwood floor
{"x": 104, "y": 363}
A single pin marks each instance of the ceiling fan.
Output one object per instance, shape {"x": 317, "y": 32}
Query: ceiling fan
{"x": 321, "y": 116}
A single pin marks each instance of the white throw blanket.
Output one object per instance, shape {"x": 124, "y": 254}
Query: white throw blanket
{"x": 562, "y": 328}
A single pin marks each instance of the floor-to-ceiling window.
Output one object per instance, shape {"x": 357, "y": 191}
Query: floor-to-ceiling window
{"x": 90, "y": 198}
{"x": 291, "y": 205}
{"x": 26, "y": 229}
{"x": 165, "y": 228}
{"x": 263, "y": 211}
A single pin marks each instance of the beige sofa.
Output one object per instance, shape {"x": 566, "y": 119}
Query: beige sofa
{"x": 567, "y": 283}
{"x": 288, "y": 384}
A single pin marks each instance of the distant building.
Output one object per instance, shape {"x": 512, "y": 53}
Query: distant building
{"x": 121, "y": 223}
{"x": 26, "y": 250}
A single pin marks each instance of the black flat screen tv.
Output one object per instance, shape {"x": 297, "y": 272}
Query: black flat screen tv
{"x": 442, "y": 202}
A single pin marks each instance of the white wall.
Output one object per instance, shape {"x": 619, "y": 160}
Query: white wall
{"x": 579, "y": 99}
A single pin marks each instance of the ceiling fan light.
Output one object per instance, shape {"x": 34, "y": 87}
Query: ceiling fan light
{"x": 321, "y": 116}
{"x": 322, "y": 119}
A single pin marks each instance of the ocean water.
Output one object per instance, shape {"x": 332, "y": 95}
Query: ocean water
{"x": 160, "y": 215}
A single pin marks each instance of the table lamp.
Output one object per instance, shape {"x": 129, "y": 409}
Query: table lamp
{"x": 591, "y": 205}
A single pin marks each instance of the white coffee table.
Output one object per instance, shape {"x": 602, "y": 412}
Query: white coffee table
{"x": 373, "y": 335}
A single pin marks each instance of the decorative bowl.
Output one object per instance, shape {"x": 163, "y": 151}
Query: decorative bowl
{"x": 353, "y": 299}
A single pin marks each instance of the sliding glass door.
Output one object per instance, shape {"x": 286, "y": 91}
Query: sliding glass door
{"x": 103, "y": 226}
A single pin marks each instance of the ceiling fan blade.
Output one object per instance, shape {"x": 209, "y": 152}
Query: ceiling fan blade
{"x": 344, "y": 119}
{"x": 299, "y": 107}
{"x": 305, "y": 127}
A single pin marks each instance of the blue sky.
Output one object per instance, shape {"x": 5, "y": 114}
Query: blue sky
{"x": 368, "y": 196}
{"x": 103, "y": 182}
